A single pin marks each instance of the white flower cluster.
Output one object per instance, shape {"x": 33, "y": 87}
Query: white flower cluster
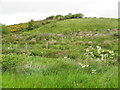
{"x": 83, "y": 66}
{"x": 89, "y": 51}
{"x": 99, "y": 53}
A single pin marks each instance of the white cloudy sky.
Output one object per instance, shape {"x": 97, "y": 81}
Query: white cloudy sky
{"x": 19, "y": 11}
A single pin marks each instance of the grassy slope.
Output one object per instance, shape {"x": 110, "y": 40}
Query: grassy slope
{"x": 49, "y": 56}
{"x": 79, "y": 24}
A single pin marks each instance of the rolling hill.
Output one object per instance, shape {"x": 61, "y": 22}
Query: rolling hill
{"x": 72, "y": 53}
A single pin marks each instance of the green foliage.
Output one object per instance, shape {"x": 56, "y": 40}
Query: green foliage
{"x": 77, "y": 15}
{"x": 31, "y": 25}
{"x": 53, "y": 55}
{"x": 50, "y": 17}
{"x": 100, "y": 54}
{"x": 11, "y": 61}
{"x": 59, "y": 17}
{"x": 5, "y": 29}
{"x": 62, "y": 75}
{"x": 69, "y": 16}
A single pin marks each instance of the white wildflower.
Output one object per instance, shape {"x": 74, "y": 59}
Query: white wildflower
{"x": 92, "y": 55}
{"x": 65, "y": 57}
{"x": 97, "y": 60}
{"x": 99, "y": 51}
{"x": 87, "y": 65}
{"x": 93, "y": 71}
{"x": 97, "y": 46}
{"x": 87, "y": 50}
{"x": 90, "y": 46}
{"x": 8, "y": 47}
{"x": 83, "y": 66}
{"x": 111, "y": 52}
{"x": 102, "y": 58}
{"x": 103, "y": 50}
{"x": 80, "y": 64}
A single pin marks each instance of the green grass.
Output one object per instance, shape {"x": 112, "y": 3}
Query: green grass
{"x": 50, "y": 56}
{"x": 63, "y": 76}
{"x": 79, "y": 24}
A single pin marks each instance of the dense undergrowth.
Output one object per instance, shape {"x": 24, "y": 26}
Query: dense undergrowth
{"x": 73, "y": 53}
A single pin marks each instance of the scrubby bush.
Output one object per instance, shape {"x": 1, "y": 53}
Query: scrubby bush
{"x": 58, "y": 17}
{"x": 11, "y": 61}
{"x": 69, "y": 16}
{"x": 50, "y": 17}
{"x": 37, "y": 25}
{"x": 31, "y": 25}
{"x": 4, "y": 29}
{"x": 77, "y": 15}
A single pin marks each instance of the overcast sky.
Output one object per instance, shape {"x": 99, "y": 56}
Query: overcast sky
{"x": 19, "y": 11}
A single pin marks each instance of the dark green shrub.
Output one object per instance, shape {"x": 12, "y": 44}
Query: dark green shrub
{"x": 37, "y": 25}
{"x": 58, "y": 17}
{"x": 50, "y": 17}
{"x": 68, "y": 16}
{"x": 4, "y": 29}
{"x": 11, "y": 61}
{"x": 62, "y": 18}
{"x": 31, "y": 25}
{"x": 77, "y": 15}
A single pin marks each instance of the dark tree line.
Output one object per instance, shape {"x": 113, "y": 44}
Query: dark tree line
{"x": 69, "y": 16}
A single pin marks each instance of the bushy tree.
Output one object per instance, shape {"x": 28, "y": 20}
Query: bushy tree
{"x": 70, "y": 16}
{"x": 50, "y": 17}
{"x": 59, "y": 17}
{"x": 31, "y": 25}
{"x": 79, "y": 15}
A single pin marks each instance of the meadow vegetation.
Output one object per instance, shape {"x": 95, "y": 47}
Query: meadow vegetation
{"x": 65, "y": 53}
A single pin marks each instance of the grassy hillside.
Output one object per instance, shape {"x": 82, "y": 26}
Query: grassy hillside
{"x": 73, "y": 53}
